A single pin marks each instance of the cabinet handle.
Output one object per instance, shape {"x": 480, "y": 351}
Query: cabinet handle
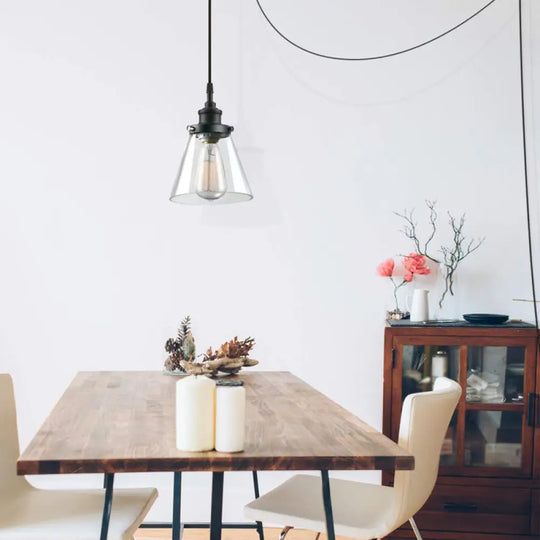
{"x": 530, "y": 409}
{"x": 456, "y": 507}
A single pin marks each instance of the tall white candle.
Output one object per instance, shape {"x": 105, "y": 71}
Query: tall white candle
{"x": 195, "y": 410}
{"x": 230, "y": 418}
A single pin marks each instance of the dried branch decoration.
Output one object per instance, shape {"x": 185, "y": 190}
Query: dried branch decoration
{"x": 232, "y": 349}
{"x": 410, "y": 229}
{"x": 230, "y": 358}
{"x": 451, "y": 255}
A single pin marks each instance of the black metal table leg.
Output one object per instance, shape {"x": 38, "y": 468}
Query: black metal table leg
{"x": 217, "y": 506}
{"x": 327, "y": 500}
{"x": 260, "y": 529}
{"x": 107, "y": 505}
{"x": 177, "y": 501}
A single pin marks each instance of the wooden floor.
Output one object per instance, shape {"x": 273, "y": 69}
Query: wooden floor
{"x": 229, "y": 534}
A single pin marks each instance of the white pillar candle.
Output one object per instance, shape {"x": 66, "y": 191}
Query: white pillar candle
{"x": 195, "y": 412}
{"x": 230, "y": 418}
{"x": 439, "y": 365}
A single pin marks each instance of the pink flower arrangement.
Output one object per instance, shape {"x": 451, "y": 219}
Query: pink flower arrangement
{"x": 386, "y": 268}
{"x": 414, "y": 264}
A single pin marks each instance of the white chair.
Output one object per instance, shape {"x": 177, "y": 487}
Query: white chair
{"x": 27, "y": 513}
{"x": 367, "y": 511}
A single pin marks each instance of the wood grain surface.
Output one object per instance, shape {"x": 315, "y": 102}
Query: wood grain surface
{"x": 125, "y": 422}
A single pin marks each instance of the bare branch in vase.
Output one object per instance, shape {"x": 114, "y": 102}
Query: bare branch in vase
{"x": 453, "y": 255}
{"x": 410, "y": 230}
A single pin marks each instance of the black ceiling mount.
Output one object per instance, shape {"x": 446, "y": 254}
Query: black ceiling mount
{"x": 210, "y": 127}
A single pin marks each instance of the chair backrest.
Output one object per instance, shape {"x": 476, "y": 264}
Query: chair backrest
{"x": 424, "y": 422}
{"x": 9, "y": 439}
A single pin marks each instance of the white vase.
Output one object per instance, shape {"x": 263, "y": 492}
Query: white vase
{"x": 419, "y": 305}
{"x": 435, "y": 282}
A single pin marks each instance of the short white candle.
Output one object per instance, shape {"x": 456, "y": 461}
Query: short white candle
{"x": 195, "y": 410}
{"x": 439, "y": 365}
{"x": 230, "y": 418}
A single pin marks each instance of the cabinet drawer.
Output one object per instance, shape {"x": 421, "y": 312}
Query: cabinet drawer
{"x": 476, "y": 509}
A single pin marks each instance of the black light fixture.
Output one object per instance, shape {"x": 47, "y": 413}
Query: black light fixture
{"x": 210, "y": 171}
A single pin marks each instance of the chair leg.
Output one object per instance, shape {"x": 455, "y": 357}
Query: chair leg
{"x": 284, "y": 532}
{"x": 415, "y": 529}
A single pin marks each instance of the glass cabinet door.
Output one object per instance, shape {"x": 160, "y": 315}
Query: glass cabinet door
{"x": 496, "y": 427}
{"x": 495, "y": 374}
{"x": 420, "y": 366}
{"x": 490, "y": 432}
{"x": 493, "y": 439}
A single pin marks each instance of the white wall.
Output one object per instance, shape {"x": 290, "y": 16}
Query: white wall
{"x": 98, "y": 267}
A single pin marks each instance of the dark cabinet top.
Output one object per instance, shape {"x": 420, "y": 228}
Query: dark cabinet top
{"x": 455, "y": 323}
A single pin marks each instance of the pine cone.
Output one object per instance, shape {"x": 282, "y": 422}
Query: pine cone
{"x": 170, "y": 345}
{"x": 171, "y": 363}
{"x": 188, "y": 348}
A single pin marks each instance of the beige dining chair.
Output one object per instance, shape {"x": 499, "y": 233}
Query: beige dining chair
{"x": 368, "y": 511}
{"x": 28, "y": 513}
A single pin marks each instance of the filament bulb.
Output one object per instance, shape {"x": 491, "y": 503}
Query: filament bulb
{"x": 211, "y": 183}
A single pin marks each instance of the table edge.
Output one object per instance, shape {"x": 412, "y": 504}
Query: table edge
{"x": 221, "y": 463}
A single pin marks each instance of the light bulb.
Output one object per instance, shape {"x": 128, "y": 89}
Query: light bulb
{"x": 211, "y": 182}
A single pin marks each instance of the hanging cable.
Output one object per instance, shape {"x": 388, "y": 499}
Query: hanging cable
{"x": 209, "y": 85}
{"x": 525, "y": 169}
{"x": 365, "y": 58}
{"x": 209, "y": 41}
{"x": 534, "y": 420}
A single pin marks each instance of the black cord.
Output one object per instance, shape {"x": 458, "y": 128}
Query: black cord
{"x": 525, "y": 169}
{"x": 209, "y": 42}
{"x": 209, "y": 85}
{"x": 379, "y": 57}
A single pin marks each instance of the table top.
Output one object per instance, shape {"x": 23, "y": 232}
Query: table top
{"x": 125, "y": 422}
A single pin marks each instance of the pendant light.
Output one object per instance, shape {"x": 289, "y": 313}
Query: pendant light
{"x": 210, "y": 171}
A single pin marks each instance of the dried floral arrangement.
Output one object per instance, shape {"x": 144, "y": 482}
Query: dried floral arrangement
{"x": 230, "y": 358}
{"x": 451, "y": 255}
{"x": 181, "y": 348}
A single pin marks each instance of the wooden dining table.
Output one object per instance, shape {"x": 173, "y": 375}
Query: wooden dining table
{"x": 125, "y": 421}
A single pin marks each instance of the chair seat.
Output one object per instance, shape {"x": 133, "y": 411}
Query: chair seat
{"x": 360, "y": 510}
{"x": 36, "y": 514}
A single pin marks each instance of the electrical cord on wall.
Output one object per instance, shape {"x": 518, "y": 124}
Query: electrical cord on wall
{"x": 534, "y": 420}
{"x": 526, "y": 173}
{"x": 366, "y": 58}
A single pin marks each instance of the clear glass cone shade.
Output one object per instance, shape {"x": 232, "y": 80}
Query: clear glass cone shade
{"x": 210, "y": 174}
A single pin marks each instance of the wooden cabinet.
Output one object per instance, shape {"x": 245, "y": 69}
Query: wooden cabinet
{"x": 489, "y": 476}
